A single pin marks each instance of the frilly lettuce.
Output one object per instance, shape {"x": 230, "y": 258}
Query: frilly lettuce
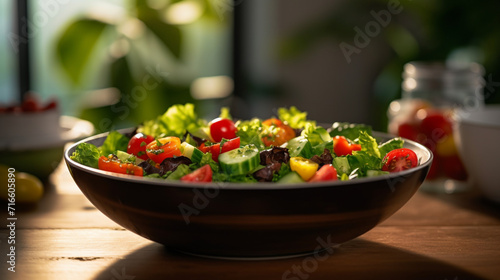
{"x": 250, "y": 132}
{"x": 294, "y": 117}
{"x": 174, "y": 122}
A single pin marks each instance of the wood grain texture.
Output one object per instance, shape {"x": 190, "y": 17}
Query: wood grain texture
{"x": 431, "y": 237}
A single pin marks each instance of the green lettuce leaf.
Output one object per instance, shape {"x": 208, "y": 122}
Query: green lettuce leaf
{"x": 371, "y": 155}
{"x": 349, "y": 130}
{"x": 316, "y": 135}
{"x": 395, "y": 143}
{"x": 114, "y": 142}
{"x": 179, "y": 172}
{"x": 86, "y": 154}
{"x": 368, "y": 144}
{"x": 250, "y": 132}
{"x": 174, "y": 122}
{"x": 225, "y": 114}
{"x": 294, "y": 117}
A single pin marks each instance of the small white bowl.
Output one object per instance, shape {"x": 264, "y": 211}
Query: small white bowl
{"x": 478, "y": 140}
{"x": 34, "y": 143}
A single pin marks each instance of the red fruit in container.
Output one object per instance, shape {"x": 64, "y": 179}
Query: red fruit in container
{"x": 435, "y": 125}
{"x": 408, "y": 131}
{"x": 454, "y": 168}
{"x": 30, "y": 104}
{"x": 51, "y": 105}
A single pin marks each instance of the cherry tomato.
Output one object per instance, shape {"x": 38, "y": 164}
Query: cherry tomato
{"x": 326, "y": 173}
{"x": 30, "y": 104}
{"x": 436, "y": 126}
{"x": 51, "y": 105}
{"x": 202, "y": 174}
{"x": 113, "y": 165}
{"x": 399, "y": 159}
{"x": 215, "y": 149}
{"x": 222, "y": 128}
{"x": 342, "y": 147}
{"x": 137, "y": 145}
{"x": 163, "y": 148}
{"x": 278, "y": 133}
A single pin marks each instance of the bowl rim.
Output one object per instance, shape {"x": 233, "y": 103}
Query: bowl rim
{"x": 71, "y": 129}
{"x": 243, "y": 186}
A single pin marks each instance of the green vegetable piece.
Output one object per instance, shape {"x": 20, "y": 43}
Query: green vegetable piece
{"x": 250, "y": 132}
{"x": 86, "y": 154}
{"x": 291, "y": 178}
{"x": 316, "y": 134}
{"x": 341, "y": 164}
{"x": 294, "y": 117}
{"x": 373, "y": 173}
{"x": 224, "y": 113}
{"x": 349, "y": 130}
{"x": 174, "y": 122}
{"x": 299, "y": 146}
{"x": 179, "y": 172}
{"x": 128, "y": 158}
{"x": 393, "y": 144}
{"x": 368, "y": 144}
{"x": 240, "y": 161}
{"x": 114, "y": 142}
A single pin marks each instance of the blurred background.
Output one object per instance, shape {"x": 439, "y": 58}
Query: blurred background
{"x": 119, "y": 62}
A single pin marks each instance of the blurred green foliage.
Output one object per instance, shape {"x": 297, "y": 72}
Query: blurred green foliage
{"x": 131, "y": 63}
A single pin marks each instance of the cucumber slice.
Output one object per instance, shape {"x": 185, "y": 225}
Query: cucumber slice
{"x": 291, "y": 178}
{"x": 372, "y": 173}
{"x": 126, "y": 157}
{"x": 299, "y": 147}
{"x": 191, "y": 152}
{"x": 240, "y": 161}
{"x": 342, "y": 165}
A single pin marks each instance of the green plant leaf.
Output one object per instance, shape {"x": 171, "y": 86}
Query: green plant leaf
{"x": 169, "y": 35}
{"x": 121, "y": 76}
{"x": 76, "y": 44}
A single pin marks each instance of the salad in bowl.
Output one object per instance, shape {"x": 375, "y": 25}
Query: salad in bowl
{"x": 258, "y": 188}
{"x": 287, "y": 148}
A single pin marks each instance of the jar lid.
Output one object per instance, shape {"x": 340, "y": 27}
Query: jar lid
{"x": 441, "y": 70}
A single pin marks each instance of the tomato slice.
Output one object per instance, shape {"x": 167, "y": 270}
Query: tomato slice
{"x": 277, "y": 133}
{"x": 222, "y": 129}
{"x": 399, "y": 160}
{"x": 137, "y": 145}
{"x": 342, "y": 147}
{"x": 326, "y": 173}
{"x": 116, "y": 166}
{"x": 163, "y": 148}
{"x": 216, "y": 150}
{"x": 202, "y": 174}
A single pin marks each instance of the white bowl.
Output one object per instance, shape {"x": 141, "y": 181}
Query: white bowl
{"x": 35, "y": 143}
{"x": 478, "y": 140}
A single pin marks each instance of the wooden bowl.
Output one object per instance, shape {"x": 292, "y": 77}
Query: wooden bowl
{"x": 261, "y": 220}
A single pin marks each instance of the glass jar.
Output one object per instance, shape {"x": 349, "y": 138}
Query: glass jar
{"x": 431, "y": 91}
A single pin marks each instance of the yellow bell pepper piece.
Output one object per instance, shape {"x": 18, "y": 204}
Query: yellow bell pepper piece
{"x": 306, "y": 168}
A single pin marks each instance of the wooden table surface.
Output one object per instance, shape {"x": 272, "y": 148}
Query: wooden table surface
{"x": 433, "y": 236}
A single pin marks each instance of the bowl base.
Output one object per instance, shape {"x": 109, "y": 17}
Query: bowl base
{"x": 256, "y": 258}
